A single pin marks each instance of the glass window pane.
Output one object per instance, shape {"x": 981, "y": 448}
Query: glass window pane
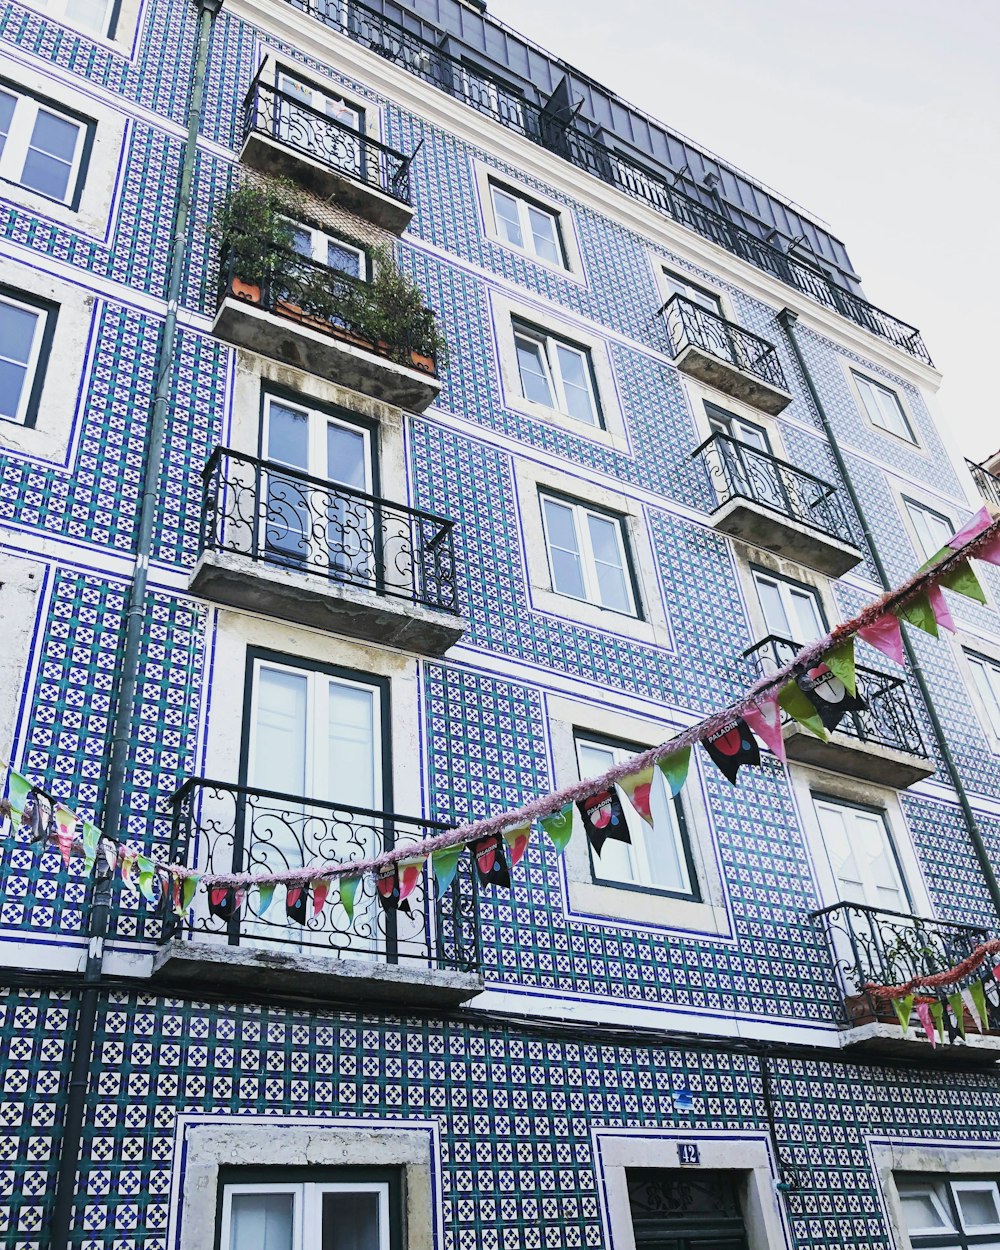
{"x": 922, "y": 1207}
{"x": 346, "y": 456}
{"x": 344, "y": 259}
{"x": 7, "y": 106}
{"x": 352, "y": 770}
{"x": 663, "y": 844}
{"x": 50, "y": 154}
{"x": 13, "y": 379}
{"x": 280, "y": 731}
{"x": 261, "y": 1221}
{"x": 807, "y": 622}
{"x": 892, "y": 412}
{"x": 534, "y": 375}
{"x": 775, "y": 618}
{"x": 564, "y": 553}
{"x": 508, "y": 221}
{"x": 609, "y": 563}
{"x": 89, "y": 14}
{"x": 987, "y": 678}
{"x": 17, "y": 332}
{"x": 544, "y": 233}
{"x": 977, "y": 1205}
{"x": 351, "y": 1221}
{"x": 54, "y": 135}
{"x": 288, "y": 436}
{"x": 573, "y": 370}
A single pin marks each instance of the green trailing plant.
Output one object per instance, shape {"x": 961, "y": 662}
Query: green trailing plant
{"x": 394, "y": 311}
{"x": 252, "y": 226}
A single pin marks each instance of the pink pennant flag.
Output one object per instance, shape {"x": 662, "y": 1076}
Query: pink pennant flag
{"x": 886, "y": 636}
{"x": 410, "y": 872}
{"x": 942, "y": 613}
{"x": 320, "y": 890}
{"x": 765, "y": 721}
{"x": 924, "y": 1012}
{"x": 990, "y": 553}
{"x": 981, "y": 521}
{"x": 996, "y": 972}
{"x": 65, "y": 831}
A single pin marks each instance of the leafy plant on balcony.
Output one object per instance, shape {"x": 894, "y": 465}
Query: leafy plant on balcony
{"x": 252, "y": 225}
{"x": 393, "y": 311}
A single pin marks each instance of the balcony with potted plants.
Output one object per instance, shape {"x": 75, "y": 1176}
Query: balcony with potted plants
{"x": 375, "y": 337}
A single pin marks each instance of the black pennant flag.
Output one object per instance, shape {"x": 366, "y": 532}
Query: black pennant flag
{"x": 491, "y": 862}
{"x": 297, "y": 903}
{"x": 387, "y": 886}
{"x": 732, "y": 747}
{"x": 603, "y": 818}
{"x": 829, "y": 696}
{"x": 222, "y": 902}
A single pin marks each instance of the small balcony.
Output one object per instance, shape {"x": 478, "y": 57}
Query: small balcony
{"x": 724, "y": 355}
{"x": 874, "y": 947}
{"x": 769, "y": 503}
{"x": 286, "y": 137}
{"x": 323, "y": 322}
{"x": 882, "y": 743}
{"x": 987, "y": 483}
{"x": 278, "y": 541}
{"x": 425, "y": 953}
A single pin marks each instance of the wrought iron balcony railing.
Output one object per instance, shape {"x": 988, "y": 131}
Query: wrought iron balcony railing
{"x": 875, "y": 947}
{"x": 280, "y": 515}
{"x": 690, "y": 325}
{"x": 224, "y": 828}
{"x": 987, "y": 483}
{"x": 887, "y": 719}
{"x": 333, "y": 303}
{"x": 739, "y": 471}
{"x": 342, "y": 148}
{"x": 505, "y": 104}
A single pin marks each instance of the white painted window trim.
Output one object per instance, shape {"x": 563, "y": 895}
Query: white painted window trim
{"x": 18, "y": 143}
{"x": 485, "y": 177}
{"x": 852, "y": 371}
{"x": 318, "y": 241}
{"x": 661, "y": 264}
{"x": 551, "y": 344}
{"x": 785, "y": 586}
{"x": 126, "y": 21}
{"x": 31, "y": 364}
{"x": 279, "y": 65}
{"x": 307, "y": 1207}
{"x": 909, "y": 506}
{"x": 943, "y": 1158}
{"x": 585, "y": 550}
{"x": 771, "y": 563}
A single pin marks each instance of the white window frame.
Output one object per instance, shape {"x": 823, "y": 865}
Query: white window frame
{"x": 918, "y": 513}
{"x": 18, "y": 142}
{"x": 989, "y": 697}
{"x": 821, "y": 800}
{"x": 318, "y": 97}
{"x": 873, "y": 411}
{"x": 785, "y": 587}
{"x": 318, "y": 243}
{"x": 58, "y": 10}
{"x": 549, "y": 344}
{"x": 585, "y": 551}
{"x": 307, "y": 1207}
{"x": 42, "y": 316}
{"x": 524, "y": 205}
{"x": 318, "y": 422}
{"x": 676, "y": 283}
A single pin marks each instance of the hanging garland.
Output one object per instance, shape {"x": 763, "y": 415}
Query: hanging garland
{"x": 816, "y": 688}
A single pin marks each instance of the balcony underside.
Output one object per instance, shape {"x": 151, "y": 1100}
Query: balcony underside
{"x": 191, "y": 965}
{"x": 731, "y": 380}
{"x": 854, "y": 757}
{"x": 322, "y": 353}
{"x": 279, "y": 160}
{"x": 882, "y": 1038}
{"x": 239, "y": 581}
{"x": 768, "y": 528}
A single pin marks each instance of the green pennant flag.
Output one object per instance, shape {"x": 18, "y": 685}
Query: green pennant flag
{"x": 936, "y": 558}
{"x": 957, "y": 1004}
{"x": 840, "y": 662}
{"x": 963, "y": 581}
{"x": 559, "y": 827}
{"x": 91, "y": 840}
{"x": 674, "y": 768}
{"x": 189, "y": 888}
{"x": 444, "y": 865}
{"x": 147, "y": 871}
{"x": 978, "y": 992}
{"x": 937, "y": 1015}
{"x": 18, "y": 789}
{"x": 918, "y": 612}
{"x": 903, "y": 1007}
{"x": 792, "y": 699}
{"x": 265, "y": 892}
{"x": 348, "y": 893}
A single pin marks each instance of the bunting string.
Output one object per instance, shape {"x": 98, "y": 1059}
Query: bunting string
{"x": 937, "y": 980}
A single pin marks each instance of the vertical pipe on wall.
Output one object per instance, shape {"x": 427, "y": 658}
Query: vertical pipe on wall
{"x": 111, "y": 817}
{"x": 787, "y": 319}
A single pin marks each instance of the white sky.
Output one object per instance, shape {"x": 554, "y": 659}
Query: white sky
{"x": 878, "y": 116}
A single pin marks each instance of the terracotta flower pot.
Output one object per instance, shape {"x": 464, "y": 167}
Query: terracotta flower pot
{"x": 249, "y": 291}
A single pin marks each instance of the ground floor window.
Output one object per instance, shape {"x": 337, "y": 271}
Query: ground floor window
{"x": 953, "y": 1213}
{"x": 687, "y": 1209}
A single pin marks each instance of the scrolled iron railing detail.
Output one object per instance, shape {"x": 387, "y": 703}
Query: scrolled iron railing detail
{"x": 505, "y": 104}
{"x": 872, "y": 946}
{"x": 987, "y": 483}
{"x": 888, "y": 718}
{"x": 280, "y": 515}
{"x": 688, "y": 324}
{"x": 741, "y": 471}
{"x": 341, "y": 147}
{"x": 222, "y": 828}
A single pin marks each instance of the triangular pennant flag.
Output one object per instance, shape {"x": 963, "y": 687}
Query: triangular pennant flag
{"x": 320, "y": 889}
{"x": 176, "y": 900}
{"x": 957, "y": 1005}
{"x": 189, "y": 889}
{"x": 517, "y": 838}
{"x": 110, "y": 851}
{"x": 348, "y": 893}
{"x": 792, "y": 699}
{"x": 91, "y": 839}
{"x": 558, "y": 826}
{"x": 674, "y": 768}
{"x": 885, "y": 635}
{"x": 970, "y": 1004}
{"x": 732, "y": 747}
{"x": 603, "y": 818}
{"x": 978, "y": 993}
{"x": 444, "y": 865}
{"x": 939, "y": 606}
{"x": 18, "y": 789}
{"x": 387, "y": 885}
{"x": 637, "y": 789}
{"x": 840, "y": 661}
{"x": 490, "y": 861}
{"x": 127, "y": 865}
{"x": 296, "y": 903}
{"x": 39, "y": 818}
{"x": 924, "y": 1012}
{"x": 765, "y": 721}
{"x": 410, "y": 872}
{"x": 942, "y": 553}
{"x": 919, "y": 612}
{"x": 937, "y": 1015}
{"x": 265, "y": 893}
{"x": 990, "y": 554}
{"x": 147, "y": 871}
{"x": 963, "y": 581}
{"x": 65, "y": 831}
{"x": 972, "y": 528}
{"x": 829, "y": 696}
{"x": 222, "y": 902}
{"x": 903, "y": 1007}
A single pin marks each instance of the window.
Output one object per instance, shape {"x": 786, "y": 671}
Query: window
{"x": 301, "y": 108}
{"x": 687, "y": 1209}
{"x": 527, "y": 226}
{"x": 327, "y": 249}
{"x": 355, "y": 1209}
{"x": 933, "y": 529}
{"x": 588, "y": 555}
{"x": 722, "y": 422}
{"x": 748, "y": 470}
{"x": 883, "y": 408}
{"x": 986, "y": 675}
{"x": 791, "y": 610}
{"x": 951, "y": 1213}
{"x": 93, "y": 16}
{"x": 557, "y": 374}
{"x": 659, "y": 860}
{"x": 861, "y": 855}
{"x": 678, "y": 284}
{"x": 41, "y": 147}
{"x": 26, "y": 330}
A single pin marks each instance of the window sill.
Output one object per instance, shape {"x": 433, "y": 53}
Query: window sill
{"x": 646, "y": 909}
{"x": 580, "y": 611}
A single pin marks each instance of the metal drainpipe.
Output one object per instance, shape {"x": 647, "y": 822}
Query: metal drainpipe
{"x": 787, "y": 319}
{"x": 101, "y": 886}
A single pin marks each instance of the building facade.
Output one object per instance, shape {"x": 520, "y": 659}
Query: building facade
{"x": 382, "y": 586}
